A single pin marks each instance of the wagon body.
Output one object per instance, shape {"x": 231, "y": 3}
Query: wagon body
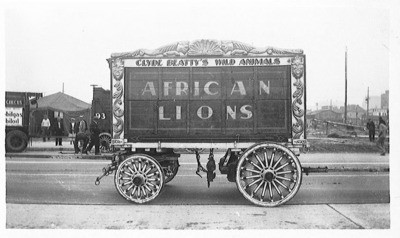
{"x": 210, "y": 94}
{"x": 208, "y": 98}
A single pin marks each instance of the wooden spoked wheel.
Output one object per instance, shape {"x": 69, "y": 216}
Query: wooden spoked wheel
{"x": 268, "y": 174}
{"x": 139, "y": 178}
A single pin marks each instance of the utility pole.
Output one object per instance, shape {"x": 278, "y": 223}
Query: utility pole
{"x": 345, "y": 87}
{"x": 63, "y": 88}
{"x": 367, "y": 99}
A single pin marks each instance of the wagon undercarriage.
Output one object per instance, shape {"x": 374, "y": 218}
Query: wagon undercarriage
{"x": 266, "y": 174}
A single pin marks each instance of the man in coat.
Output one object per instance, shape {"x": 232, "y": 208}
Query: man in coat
{"x": 59, "y": 130}
{"x": 81, "y": 134}
{"x": 94, "y": 136}
{"x": 371, "y": 130}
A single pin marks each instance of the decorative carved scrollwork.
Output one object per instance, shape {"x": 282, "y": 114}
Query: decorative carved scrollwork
{"x": 118, "y": 110}
{"x": 297, "y": 104}
{"x": 205, "y": 47}
{"x": 208, "y": 48}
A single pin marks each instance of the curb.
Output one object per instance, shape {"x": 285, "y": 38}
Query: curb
{"x": 108, "y": 156}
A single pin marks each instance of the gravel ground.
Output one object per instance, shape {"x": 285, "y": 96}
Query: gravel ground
{"x": 343, "y": 145}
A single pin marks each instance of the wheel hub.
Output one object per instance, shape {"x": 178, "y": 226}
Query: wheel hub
{"x": 138, "y": 180}
{"x": 268, "y": 175}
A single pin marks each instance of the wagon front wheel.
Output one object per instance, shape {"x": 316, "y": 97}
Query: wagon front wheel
{"x": 139, "y": 178}
{"x": 268, "y": 174}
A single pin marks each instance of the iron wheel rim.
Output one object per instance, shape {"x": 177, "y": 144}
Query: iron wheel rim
{"x": 268, "y": 174}
{"x": 139, "y": 179}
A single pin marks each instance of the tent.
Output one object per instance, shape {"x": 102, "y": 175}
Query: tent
{"x": 58, "y": 104}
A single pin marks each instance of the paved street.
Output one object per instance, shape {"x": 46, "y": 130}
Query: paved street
{"x": 353, "y": 194}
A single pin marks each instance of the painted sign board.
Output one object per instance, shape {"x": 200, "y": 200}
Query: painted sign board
{"x": 203, "y": 94}
{"x": 13, "y": 116}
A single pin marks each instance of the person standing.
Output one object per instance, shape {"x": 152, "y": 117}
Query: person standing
{"x": 45, "y": 127}
{"x": 71, "y": 130}
{"x": 94, "y": 136}
{"x": 80, "y": 131}
{"x": 371, "y": 130}
{"x": 382, "y": 135}
{"x": 59, "y": 130}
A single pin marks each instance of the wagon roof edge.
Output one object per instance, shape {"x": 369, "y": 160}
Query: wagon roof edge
{"x": 207, "y": 47}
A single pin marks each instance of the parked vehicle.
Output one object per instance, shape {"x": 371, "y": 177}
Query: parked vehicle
{"x": 101, "y": 107}
{"x": 17, "y": 119}
{"x": 207, "y": 95}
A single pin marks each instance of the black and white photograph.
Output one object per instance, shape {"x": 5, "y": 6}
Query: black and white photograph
{"x": 212, "y": 118}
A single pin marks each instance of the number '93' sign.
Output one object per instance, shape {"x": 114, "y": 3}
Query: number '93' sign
{"x": 100, "y": 115}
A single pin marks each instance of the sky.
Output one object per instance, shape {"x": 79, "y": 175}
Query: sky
{"x": 48, "y": 45}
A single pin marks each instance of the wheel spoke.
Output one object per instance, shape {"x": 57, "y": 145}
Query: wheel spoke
{"x": 283, "y": 178}
{"x": 270, "y": 191}
{"x": 285, "y": 172}
{"x": 145, "y": 173}
{"x": 252, "y": 183}
{"x": 250, "y": 177}
{"x": 127, "y": 183}
{"x": 251, "y": 162}
{"x": 147, "y": 187}
{"x": 264, "y": 190}
{"x": 277, "y": 189}
{"x": 251, "y": 170}
{"x": 143, "y": 191}
{"x": 152, "y": 174}
{"x": 265, "y": 157}
{"x": 129, "y": 188}
{"x": 283, "y": 185}
{"x": 277, "y": 162}
{"x": 272, "y": 159}
{"x": 259, "y": 160}
{"x": 134, "y": 190}
{"x": 258, "y": 187}
{"x": 130, "y": 169}
{"x": 282, "y": 167}
{"x": 134, "y": 167}
{"x": 144, "y": 167}
{"x": 150, "y": 184}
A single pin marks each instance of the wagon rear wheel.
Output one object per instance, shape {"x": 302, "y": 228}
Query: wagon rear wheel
{"x": 105, "y": 142}
{"x": 268, "y": 174}
{"x": 139, "y": 178}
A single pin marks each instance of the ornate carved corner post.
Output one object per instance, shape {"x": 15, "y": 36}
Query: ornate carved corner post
{"x": 117, "y": 65}
{"x": 298, "y": 105}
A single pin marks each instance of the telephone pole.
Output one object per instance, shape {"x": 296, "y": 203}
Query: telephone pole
{"x": 345, "y": 87}
{"x": 367, "y": 99}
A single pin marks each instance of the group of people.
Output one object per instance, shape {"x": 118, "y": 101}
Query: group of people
{"x": 83, "y": 133}
{"x": 78, "y": 129}
{"x": 57, "y": 126}
{"x": 382, "y": 133}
